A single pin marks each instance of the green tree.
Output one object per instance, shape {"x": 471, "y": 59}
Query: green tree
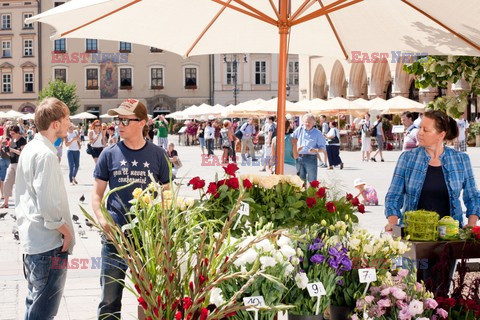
{"x": 438, "y": 71}
{"x": 66, "y": 92}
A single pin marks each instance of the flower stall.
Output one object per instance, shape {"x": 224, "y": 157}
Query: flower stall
{"x": 253, "y": 247}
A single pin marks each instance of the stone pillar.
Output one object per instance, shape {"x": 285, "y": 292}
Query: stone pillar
{"x": 427, "y": 95}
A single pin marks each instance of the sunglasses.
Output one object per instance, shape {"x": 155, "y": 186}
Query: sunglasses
{"x": 125, "y": 122}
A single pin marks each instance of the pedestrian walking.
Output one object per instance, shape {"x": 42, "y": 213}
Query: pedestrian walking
{"x": 226, "y": 144}
{"x": 73, "y": 153}
{"x": 333, "y": 146}
{"x": 132, "y": 160}
{"x": 43, "y": 216}
{"x": 4, "y": 163}
{"x": 248, "y": 132}
{"x": 461, "y": 141}
{"x": 201, "y": 136}
{"x": 162, "y": 131}
{"x": 209, "y": 138}
{"x": 377, "y": 132}
{"x": 306, "y": 143}
{"x": 366, "y": 140}
{"x": 324, "y": 128}
{"x": 97, "y": 139}
{"x": 17, "y": 143}
{"x": 410, "y": 139}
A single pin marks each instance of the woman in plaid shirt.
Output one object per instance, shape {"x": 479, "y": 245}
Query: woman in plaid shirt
{"x": 432, "y": 176}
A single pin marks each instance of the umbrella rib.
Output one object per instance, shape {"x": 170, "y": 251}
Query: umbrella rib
{"x": 332, "y": 26}
{"x": 305, "y": 5}
{"x": 261, "y": 15}
{"x": 465, "y": 39}
{"x": 337, "y": 5}
{"x": 100, "y": 18}
{"x": 275, "y": 9}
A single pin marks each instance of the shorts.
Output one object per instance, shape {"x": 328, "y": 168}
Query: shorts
{"x": 380, "y": 142}
{"x": 3, "y": 168}
{"x": 96, "y": 152}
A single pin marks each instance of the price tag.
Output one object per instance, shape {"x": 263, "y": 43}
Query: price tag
{"x": 256, "y": 301}
{"x": 367, "y": 275}
{"x": 244, "y": 209}
{"x": 316, "y": 289}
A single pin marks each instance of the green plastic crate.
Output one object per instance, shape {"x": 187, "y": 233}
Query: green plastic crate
{"x": 421, "y": 225}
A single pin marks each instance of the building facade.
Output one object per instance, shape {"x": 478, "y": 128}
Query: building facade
{"x": 242, "y": 77}
{"x": 19, "y": 56}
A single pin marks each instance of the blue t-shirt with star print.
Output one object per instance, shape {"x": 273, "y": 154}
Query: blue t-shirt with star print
{"x": 120, "y": 166}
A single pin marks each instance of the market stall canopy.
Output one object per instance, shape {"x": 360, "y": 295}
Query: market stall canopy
{"x": 178, "y": 115}
{"x": 11, "y": 114}
{"x": 106, "y": 115}
{"x": 84, "y": 115}
{"x": 244, "y": 109}
{"x": 399, "y": 105}
{"x": 28, "y": 116}
{"x": 349, "y": 29}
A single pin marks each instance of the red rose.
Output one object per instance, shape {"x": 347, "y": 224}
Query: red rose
{"x": 322, "y": 192}
{"x": 330, "y": 206}
{"x": 361, "y": 208}
{"x": 476, "y": 232}
{"x": 196, "y": 183}
{"x": 355, "y": 201}
{"x": 212, "y": 188}
{"x": 187, "y": 303}
{"x": 311, "y": 201}
{"x": 204, "y": 314}
{"x": 230, "y": 169}
{"x": 471, "y": 305}
{"x": 349, "y": 197}
{"x": 449, "y": 303}
{"x": 142, "y": 302}
{"x": 233, "y": 183}
{"x": 247, "y": 184}
{"x": 314, "y": 184}
{"x": 221, "y": 183}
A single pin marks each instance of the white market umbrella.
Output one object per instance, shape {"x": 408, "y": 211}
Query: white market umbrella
{"x": 269, "y": 107}
{"x": 401, "y": 104}
{"x": 178, "y": 115}
{"x": 12, "y": 114}
{"x": 106, "y": 116}
{"x": 83, "y": 116}
{"x": 336, "y": 28}
{"x": 28, "y": 116}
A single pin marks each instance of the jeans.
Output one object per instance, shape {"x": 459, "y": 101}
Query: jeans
{"x": 233, "y": 153}
{"x": 307, "y": 167}
{"x": 73, "y": 163}
{"x": 45, "y": 284}
{"x": 112, "y": 277}
{"x": 210, "y": 143}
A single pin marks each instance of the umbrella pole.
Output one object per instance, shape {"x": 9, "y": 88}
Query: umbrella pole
{"x": 283, "y": 30}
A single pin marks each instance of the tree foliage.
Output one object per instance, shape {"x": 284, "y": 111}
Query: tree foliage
{"x": 438, "y": 71}
{"x": 66, "y": 92}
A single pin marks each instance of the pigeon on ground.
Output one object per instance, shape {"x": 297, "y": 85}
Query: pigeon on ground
{"x": 75, "y": 218}
{"x": 82, "y": 198}
{"x": 81, "y": 232}
{"x": 2, "y": 215}
{"x": 14, "y": 217}
{"x": 89, "y": 224}
{"x": 16, "y": 236}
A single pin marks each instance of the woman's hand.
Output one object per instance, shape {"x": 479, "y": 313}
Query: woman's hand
{"x": 472, "y": 221}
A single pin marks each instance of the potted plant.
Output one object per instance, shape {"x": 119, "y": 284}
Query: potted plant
{"x": 474, "y": 130}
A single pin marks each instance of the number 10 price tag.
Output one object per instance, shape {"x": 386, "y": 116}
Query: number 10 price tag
{"x": 367, "y": 275}
{"x": 316, "y": 289}
{"x": 256, "y": 301}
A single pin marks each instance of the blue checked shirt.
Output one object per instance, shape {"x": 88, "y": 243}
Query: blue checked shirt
{"x": 409, "y": 176}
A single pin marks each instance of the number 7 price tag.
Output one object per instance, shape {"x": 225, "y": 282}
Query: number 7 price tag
{"x": 316, "y": 289}
{"x": 243, "y": 210}
{"x": 367, "y": 276}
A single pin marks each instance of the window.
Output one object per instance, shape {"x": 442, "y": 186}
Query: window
{"x": 27, "y": 25}
{"x": 91, "y": 45}
{"x": 60, "y": 46}
{"x": 156, "y": 78}
{"x": 6, "y": 49}
{"x": 190, "y": 78}
{"x": 6, "y": 22}
{"x": 28, "y": 48}
{"x": 293, "y": 73}
{"x": 60, "y": 74}
{"x": 125, "y": 47}
{"x": 260, "y": 72}
{"x": 58, "y": 3}
{"x": 125, "y": 78}
{"x": 153, "y": 49}
{"x": 92, "y": 79}
{"x": 28, "y": 82}
{"x": 6, "y": 82}
{"x": 231, "y": 71}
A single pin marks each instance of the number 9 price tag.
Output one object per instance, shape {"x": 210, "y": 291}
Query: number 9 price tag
{"x": 316, "y": 289}
{"x": 367, "y": 275}
{"x": 256, "y": 301}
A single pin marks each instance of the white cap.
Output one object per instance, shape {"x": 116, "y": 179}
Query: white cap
{"x": 358, "y": 182}
{"x": 288, "y": 116}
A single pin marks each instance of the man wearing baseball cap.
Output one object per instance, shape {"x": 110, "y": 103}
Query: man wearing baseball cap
{"x": 131, "y": 160}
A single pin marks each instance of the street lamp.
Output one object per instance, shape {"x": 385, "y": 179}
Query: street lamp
{"x": 234, "y": 60}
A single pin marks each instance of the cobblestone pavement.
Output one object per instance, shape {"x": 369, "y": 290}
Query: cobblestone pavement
{"x": 82, "y": 290}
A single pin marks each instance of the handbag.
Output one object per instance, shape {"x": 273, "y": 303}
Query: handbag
{"x": 178, "y": 164}
{"x": 89, "y": 149}
{"x": 373, "y": 131}
{"x": 335, "y": 139}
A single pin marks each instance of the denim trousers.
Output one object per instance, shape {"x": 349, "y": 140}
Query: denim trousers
{"x": 112, "y": 276}
{"x": 73, "y": 163}
{"x": 45, "y": 283}
{"x": 307, "y": 167}
{"x": 210, "y": 145}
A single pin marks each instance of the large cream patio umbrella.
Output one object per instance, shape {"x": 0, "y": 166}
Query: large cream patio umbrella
{"x": 396, "y": 105}
{"x": 338, "y": 28}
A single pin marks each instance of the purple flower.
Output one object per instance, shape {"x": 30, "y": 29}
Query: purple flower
{"x": 340, "y": 282}
{"x": 333, "y": 252}
{"x": 333, "y": 263}
{"x": 313, "y": 247}
{"x": 317, "y": 258}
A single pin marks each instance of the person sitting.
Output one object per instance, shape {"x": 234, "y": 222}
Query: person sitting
{"x": 368, "y": 193}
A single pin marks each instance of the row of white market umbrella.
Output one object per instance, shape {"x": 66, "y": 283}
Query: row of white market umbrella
{"x": 335, "y": 106}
